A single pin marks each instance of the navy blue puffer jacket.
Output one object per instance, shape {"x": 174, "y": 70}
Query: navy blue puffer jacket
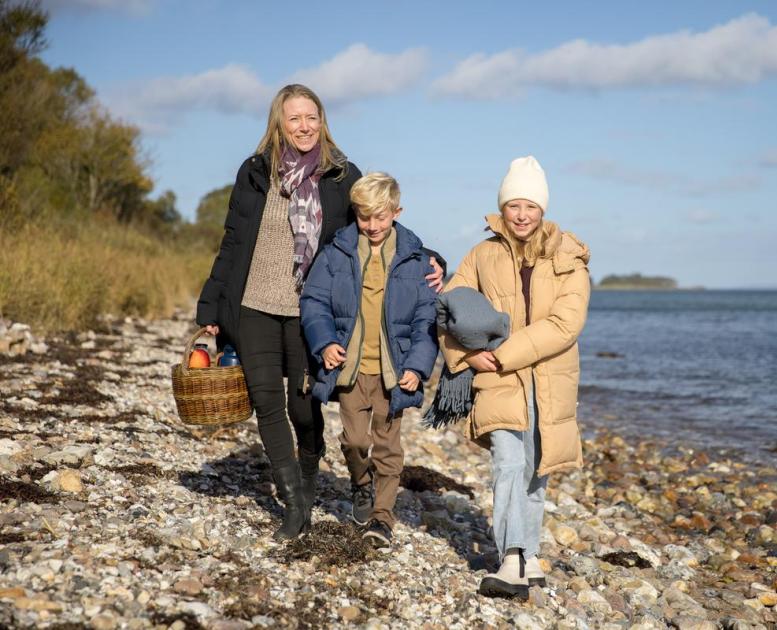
{"x": 331, "y": 300}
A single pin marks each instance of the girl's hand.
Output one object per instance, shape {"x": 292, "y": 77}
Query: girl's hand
{"x": 212, "y": 329}
{"x": 333, "y": 356}
{"x": 482, "y": 361}
{"x": 435, "y": 278}
{"x": 409, "y": 381}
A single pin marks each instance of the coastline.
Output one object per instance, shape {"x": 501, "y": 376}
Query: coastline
{"x": 114, "y": 514}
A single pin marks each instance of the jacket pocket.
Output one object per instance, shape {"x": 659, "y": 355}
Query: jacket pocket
{"x": 499, "y": 402}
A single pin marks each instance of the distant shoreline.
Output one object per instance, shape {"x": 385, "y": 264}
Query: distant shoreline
{"x": 636, "y": 287}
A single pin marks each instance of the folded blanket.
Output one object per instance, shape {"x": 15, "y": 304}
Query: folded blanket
{"x": 475, "y": 324}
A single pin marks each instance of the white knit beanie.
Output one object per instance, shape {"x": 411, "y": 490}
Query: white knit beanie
{"x": 524, "y": 180}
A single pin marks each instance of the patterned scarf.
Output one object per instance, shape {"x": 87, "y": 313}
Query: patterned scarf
{"x": 299, "y": 183}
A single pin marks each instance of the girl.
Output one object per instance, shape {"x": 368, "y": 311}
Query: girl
{"x": 525, "y": 391}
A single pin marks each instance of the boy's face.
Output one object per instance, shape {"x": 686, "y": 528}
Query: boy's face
{"x": 377, "y": 226}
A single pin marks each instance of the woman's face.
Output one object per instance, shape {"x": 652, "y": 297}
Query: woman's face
{"x": 301, "y": 122}
{"x": 523, "y": 217}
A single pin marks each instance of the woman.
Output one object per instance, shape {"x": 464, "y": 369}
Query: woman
{"x": 525, "y": 391}
{"x": 288, "y": 200}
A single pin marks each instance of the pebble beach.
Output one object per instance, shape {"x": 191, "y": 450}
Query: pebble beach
{"x": 113, "y": 514}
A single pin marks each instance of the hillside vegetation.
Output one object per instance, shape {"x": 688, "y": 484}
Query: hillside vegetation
{"x": 636, "y": 281}
{"x": 80, "y": 234}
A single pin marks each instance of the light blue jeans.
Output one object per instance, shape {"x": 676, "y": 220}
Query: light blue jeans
{"x": 519, "y": 493}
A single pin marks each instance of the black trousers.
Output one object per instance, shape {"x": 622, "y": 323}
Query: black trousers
{"x": 271, "y": 347}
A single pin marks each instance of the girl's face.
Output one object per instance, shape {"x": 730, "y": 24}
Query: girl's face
{"x": 523, "y": 217}
{"x": 301, "y": 123}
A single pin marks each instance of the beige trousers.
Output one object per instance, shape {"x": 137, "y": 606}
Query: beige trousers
{"x": 366, "y": 423}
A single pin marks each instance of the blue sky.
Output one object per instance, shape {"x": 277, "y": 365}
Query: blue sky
{"x": 656, "y": 123}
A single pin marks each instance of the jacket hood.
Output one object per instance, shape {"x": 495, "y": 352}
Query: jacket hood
{"x": 561, "y": 247}
{"x": 347, "y": 239}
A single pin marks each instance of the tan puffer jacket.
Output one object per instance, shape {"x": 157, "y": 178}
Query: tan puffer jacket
{"x": 546, "y": 348}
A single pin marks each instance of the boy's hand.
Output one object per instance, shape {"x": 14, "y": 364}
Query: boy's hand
{"x": 409, "y": 381}
{"x": 482, "y": 361}
{"x": 435, "y": 278}
{"x": 333, "y": 356}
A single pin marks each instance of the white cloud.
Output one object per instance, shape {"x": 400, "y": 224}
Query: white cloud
{"x": 666, "y": 182}
{"x": 743, "y": 50}
{"x": 135, "y": 7}
{"x": 233, "y": 89}
{"x": 358, "y": 72}
{"x": 353, "y": 74}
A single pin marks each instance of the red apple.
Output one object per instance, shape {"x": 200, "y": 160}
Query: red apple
{"x": 199, "y": 358}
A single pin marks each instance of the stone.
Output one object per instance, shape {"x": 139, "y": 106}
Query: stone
{"x": 685, "y": 622}
{"x": 564, "y": 535}
{"x": 349, "y": 613}
{"x": 69, "y": 480}
{"x": 188, "y": 586}
{"x": 103, "y": 621}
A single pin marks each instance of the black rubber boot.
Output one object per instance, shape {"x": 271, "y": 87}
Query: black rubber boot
{"x": 288, "y": 485}
{"x": 308, "y": 463}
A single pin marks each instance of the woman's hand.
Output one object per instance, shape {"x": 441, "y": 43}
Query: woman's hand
{"x": 212, "y": 329}
{"x": 409, "y": 381}
{"x": 482, "y": 361}
{"x": 333, "y": 356}
{"x": 435, "y": 278}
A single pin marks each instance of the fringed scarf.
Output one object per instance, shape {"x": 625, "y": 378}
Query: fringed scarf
{"x": 470, "y": 318}
{"x": 299, "y": 183}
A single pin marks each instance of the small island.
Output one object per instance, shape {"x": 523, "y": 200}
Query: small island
{"x": 636, "y": 281}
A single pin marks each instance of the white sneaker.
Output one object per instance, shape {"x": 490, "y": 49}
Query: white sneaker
{"x": 509, "y": 581}
{"x": 534, "y": 573}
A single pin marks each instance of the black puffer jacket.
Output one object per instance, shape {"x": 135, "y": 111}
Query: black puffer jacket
{"x": 222, "y": 294}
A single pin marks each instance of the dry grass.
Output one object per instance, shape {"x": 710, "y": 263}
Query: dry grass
{"x": 63, "y": 276}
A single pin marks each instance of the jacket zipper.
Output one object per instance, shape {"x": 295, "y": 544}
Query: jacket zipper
{"x": 383, "y": 326}
{"x": 355, "y": 375}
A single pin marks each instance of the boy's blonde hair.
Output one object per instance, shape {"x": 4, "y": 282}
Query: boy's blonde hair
{"x": 375, "y": 192}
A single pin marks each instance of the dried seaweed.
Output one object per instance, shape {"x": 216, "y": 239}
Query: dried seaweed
{"x": 25, "y": 492}
{"x": 420, "y": 479}
{"x": 334, "y": 544}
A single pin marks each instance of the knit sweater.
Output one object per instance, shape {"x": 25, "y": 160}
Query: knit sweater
{"x": 270, "y": 285}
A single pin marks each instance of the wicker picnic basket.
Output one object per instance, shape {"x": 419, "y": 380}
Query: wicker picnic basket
{"x": 212, "y": 395}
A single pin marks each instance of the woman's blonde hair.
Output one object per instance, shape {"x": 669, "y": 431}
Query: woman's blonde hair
{"x": 274, "y": 136}
{"x": 530, "y": 250}
{"x": 375, "y": 192}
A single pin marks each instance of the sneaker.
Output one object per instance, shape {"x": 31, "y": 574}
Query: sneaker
{"x": 363, "y": 501}
{"x": 378, "y": 534}
{"x": 534, "y": 572}
{"x": 509, "y": 581}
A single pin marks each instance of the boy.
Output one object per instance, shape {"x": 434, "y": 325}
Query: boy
{"x": 369, "y": 320}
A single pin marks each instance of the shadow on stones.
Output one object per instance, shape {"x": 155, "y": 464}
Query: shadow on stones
{"x": 241, "y": 473}
{"x": 455, "y": 527}
{"x": 629, "y": 559}
{"x": 334, "y": 544}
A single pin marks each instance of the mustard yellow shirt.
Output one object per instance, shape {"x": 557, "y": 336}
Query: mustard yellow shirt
{"x": 373, "y": 285}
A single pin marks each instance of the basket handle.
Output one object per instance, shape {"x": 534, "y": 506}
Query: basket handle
{"x": 188, "y": 349}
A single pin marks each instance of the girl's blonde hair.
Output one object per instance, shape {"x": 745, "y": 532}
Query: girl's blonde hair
{"x": 375, "y": 192}
{"x": 530, "y": 250}
{"x": 274, "y": 136}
